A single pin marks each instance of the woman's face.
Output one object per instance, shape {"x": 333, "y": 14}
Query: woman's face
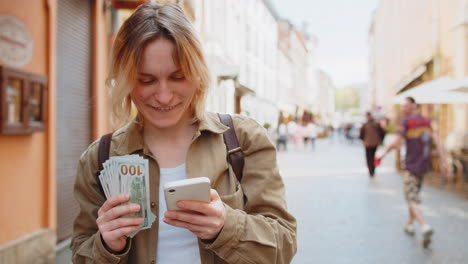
{"x": 162, "y": 94}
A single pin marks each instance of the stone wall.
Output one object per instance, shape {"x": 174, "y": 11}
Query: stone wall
{"x": 37, "y": 247}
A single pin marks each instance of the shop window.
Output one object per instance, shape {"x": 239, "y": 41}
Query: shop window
{"x": 14, "y": 99}
{"x": 22, "y": 101}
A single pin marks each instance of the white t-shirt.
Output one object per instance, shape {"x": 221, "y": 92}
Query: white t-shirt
{"x": 292, "y": 127}
{"x": 312, "y": 130}
{"x": 282, "y": 129}
{"x": 175, "y": 244}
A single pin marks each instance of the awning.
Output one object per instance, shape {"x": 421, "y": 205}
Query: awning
{"x": 418, "y": 72}
{"x": 218, "y": 61}
{"x": 461, "y": 86}
{"x": 287, "y": 108}
{"x": 438, "y": 91}
{"x": 243, "y": 90}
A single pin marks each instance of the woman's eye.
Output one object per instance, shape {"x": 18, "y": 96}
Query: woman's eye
{"x": 146, "y": 81}
{"x": 178, "y": 77}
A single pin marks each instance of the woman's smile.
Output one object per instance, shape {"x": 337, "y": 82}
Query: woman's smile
{"x": 164, "y": 109}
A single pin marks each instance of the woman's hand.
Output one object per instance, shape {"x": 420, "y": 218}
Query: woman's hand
{"x": 112, "y": 226}
{"x": 205, "y": 220}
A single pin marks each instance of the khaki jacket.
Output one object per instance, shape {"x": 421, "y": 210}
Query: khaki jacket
{"x": 258, "y": 227}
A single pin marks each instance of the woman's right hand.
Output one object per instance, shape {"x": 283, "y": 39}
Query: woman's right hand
{"x": 112, "y": 226}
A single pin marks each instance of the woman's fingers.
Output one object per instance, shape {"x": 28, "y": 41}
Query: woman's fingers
{"x": 112, "y": 226}
{"x": 204, "y": 219}
{"x": 118, "y": 211}
{"x": 119, "y": 233}
{"x": 192, "y": 218}
{"x": 212, "y": 208}
{"x": 214, "y": 195}
{"x": 113, "y": 202}
{"x": 182, "y": 224}
{"x": 202, "y": 232}
{"x": 121, "y": 222}
{"x": 196, "y": 206}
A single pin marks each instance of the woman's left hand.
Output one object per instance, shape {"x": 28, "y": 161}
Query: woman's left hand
{"x": 205, "y": 220}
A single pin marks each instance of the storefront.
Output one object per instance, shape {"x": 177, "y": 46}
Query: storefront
{"x": 53, "y": 58}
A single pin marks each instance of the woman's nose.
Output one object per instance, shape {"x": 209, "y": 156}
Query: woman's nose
{"x": 163, "y": 93}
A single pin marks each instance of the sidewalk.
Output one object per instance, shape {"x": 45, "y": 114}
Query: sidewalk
{"x": 346, "y": 217}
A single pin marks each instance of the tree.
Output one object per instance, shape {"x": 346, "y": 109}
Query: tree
{"x": 347, "y": 98}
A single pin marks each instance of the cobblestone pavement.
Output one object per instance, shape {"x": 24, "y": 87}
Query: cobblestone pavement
{"x": 346, "y": 217}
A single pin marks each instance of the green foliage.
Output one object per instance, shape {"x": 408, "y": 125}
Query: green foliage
{"x": 347, "y": 98}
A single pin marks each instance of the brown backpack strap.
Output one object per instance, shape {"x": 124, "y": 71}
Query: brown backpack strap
{"x": 104, "y": 149}
{"x": 235, "y": 155}
{"x": 103, "y": 155}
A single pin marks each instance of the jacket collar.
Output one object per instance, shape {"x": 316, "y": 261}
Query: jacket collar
{"x": 130, "y": 138}
{"x": 211, "y": 122}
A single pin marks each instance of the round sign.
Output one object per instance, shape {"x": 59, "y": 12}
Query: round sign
{"x": 16, "y": 44}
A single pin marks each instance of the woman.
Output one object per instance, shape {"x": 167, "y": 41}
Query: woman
{"x": 158, "y": 65}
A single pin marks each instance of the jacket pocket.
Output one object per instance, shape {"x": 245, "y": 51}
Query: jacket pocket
{"x": 235, "y": 200}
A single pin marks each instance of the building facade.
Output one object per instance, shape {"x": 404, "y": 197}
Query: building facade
{"x": 240, "y": 47}
{"x": 414, "y": 43}
{"x": 285, "y": 98}
{"x": 325, "y": 103}
{"x": 298, "y": 53}
{"x": 298, "y": 83}
{"x": 68, "y": 44}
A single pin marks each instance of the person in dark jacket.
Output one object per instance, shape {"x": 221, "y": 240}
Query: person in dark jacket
{"x": 372, "y": 135}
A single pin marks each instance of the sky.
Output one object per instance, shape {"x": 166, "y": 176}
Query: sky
{"x": 342, "y": 29}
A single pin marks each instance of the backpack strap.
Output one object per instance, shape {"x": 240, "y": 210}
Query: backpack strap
{"x": 104, "y": 149}
{"x": 235, "y": 155}
{"x": 103, "y": 155}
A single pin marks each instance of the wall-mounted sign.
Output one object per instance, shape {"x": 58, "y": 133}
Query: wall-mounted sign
{"x": 23, "y": 101}
{"x": 128, "y": 4}
{"x": 16, "y": 43}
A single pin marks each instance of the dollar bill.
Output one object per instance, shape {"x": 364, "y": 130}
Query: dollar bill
{"x": 129, "y": 174}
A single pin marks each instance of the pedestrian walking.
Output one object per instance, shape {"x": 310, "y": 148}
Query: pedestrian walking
{"x": 157, "y": 64}
{"x": 347, "y": 132}
{"x": 311, "y": 132}
{"x": 282, "y": 139}
{"x": 296, "y": 133}
{"x": 331, "y": 134}
{"x": 418, "y": 135}
{"x": 299, "y": 135}
{"x": 372, "y": 135}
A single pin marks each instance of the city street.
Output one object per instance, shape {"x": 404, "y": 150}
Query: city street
{"x": 346, "y": 217}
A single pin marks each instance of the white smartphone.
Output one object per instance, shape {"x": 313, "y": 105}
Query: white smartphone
{"x": 195, "y": 189}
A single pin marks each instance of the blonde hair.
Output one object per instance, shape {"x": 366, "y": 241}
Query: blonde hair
{"x": 148, "y": 23}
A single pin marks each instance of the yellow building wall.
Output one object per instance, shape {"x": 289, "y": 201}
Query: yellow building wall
{"x": 403, "y": 38}
{"x": 447, "y": 37}
{"x": 408, "y": 34}
{"x": 24, "y": 200}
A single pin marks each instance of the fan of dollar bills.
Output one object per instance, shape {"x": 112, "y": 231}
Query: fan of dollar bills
{"x": 129, "y": 174}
